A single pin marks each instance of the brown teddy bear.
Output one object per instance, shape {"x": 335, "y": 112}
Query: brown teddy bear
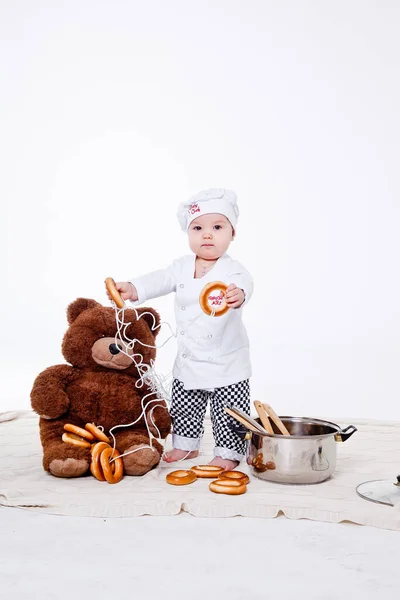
{"x": 101, "y": 385}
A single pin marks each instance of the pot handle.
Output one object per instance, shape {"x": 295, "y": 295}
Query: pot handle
{"x": 241, "y": 432}
{"x": 243, "y": 425}
{"x": 344, "y": 434}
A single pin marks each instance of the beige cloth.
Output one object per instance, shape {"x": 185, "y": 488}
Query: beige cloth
{"x": 371, "y": 453}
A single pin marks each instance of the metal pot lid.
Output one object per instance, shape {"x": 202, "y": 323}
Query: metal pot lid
{"x": 381, "y": 491}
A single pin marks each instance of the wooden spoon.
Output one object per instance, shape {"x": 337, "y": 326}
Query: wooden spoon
{"x": 245, "y": 420}
{"x": 263, "y": 416}
{"x": 272, "y": 415}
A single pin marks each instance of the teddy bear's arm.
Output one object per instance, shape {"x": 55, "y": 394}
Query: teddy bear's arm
{"x": 48, "y": 397}
{"x": 161, "y": 418}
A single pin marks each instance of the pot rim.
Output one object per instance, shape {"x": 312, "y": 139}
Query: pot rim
{"x": 312, "y": 420}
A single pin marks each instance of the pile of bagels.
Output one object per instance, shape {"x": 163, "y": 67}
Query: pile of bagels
{"x": 107, "y": 465}
{"x": 106, "y": 462}
{"x": 232, "y": 483}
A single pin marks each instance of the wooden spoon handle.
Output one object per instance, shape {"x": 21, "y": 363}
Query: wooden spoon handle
{"x": 272, "y": 414}
{"x": 263, "y": 416}
{"x": 244, "y": 420}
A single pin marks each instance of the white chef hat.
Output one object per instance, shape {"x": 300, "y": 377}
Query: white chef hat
{"x": 214, "y": 200}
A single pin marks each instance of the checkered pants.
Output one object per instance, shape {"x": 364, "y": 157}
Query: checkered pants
{"x": 188, "y": 409}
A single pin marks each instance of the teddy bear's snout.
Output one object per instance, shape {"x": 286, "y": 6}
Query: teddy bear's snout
{"x": 108, "y": 353}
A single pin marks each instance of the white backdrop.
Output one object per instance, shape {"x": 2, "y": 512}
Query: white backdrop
{"x": 113, "y": 112}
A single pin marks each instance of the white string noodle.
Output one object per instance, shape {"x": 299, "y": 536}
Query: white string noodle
{"x": 158, "y": 385}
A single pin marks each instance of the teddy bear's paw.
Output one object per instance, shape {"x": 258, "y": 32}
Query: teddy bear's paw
{"x": 70, "y": 467}
{"x": 140, "y": 461}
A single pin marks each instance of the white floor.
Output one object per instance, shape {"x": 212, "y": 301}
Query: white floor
{"x": 186, "y": 557}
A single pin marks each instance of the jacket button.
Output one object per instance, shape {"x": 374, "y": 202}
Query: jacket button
{"x": 183, "y": 355}
{"x": 183, "y": 307}
{"x": 209, "y": 335}
{"x": 182, "y": 286}
{"x": 182, "y": 333}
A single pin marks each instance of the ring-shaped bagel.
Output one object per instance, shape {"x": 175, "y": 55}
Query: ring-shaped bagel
{"x": 220, "y": 307}
{"x": 207, "y": 471}
{"x": 95, "y": 467}
{"x": 181, "y": 477}
{"x": 97, "y": 433}
{"x": 74, "y": 440}
{"x": 79, "y": 431}
{"x": 112, "y": 290}
{"x": 232, "y": 487}
{"x": 113, "y": 472}
{"x": 235, "y": 476}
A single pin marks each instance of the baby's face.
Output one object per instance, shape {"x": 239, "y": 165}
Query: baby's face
{"x": 210, "y": 236}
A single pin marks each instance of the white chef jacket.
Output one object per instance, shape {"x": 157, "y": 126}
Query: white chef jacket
{"x": 212, "y": 351}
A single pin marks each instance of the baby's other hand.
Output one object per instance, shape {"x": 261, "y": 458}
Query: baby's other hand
{"x": 234, "y": 296}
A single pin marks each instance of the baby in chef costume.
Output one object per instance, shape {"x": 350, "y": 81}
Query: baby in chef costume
{"x": 213, "y": 361}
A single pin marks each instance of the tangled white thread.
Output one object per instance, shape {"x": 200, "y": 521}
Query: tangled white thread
{"x": 158, "y": 385}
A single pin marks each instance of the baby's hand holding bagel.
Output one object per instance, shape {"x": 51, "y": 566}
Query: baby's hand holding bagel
{"x": 126, "y": 290}
{"x": 234, "y": 296}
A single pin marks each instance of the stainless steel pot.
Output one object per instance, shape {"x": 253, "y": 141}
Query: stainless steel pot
{"x": 307, "y": 456}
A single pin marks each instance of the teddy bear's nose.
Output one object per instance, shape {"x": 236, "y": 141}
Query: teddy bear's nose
{"x": 114, "y": 348}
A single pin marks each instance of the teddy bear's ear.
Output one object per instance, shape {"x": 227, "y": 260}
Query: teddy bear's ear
{"x": 152, "y": 319}
{"x": 78, "y": 306}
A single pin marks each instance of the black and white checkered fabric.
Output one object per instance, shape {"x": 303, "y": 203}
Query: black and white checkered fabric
{"x": 188, "y": 409}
